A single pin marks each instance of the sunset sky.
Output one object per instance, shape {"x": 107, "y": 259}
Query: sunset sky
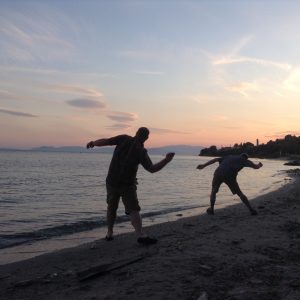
{"x": 194, "y": 72}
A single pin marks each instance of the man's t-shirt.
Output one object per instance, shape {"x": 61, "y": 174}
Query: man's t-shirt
{"x": 127, "y": 156}
{"x": 231, "y": 165}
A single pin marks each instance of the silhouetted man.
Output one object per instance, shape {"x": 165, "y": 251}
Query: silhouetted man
{"x": 228, "y": 169}
{"x": 121, "y": 179}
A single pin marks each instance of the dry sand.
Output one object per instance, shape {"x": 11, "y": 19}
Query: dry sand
{"x": 231, "y": 255}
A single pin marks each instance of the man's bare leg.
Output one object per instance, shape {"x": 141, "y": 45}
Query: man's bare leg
{"x": 136, "y": 222}
{"x": 111, "y": 217}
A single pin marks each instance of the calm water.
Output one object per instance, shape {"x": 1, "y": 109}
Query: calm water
{"x": 51, "y": 194}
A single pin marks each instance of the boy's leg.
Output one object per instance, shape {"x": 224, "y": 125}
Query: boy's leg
{"x": 235, "y": 189}
{"x": 213, "y": 194}
{"x": 246, "y": 202}
{"x": 217, "y": 181}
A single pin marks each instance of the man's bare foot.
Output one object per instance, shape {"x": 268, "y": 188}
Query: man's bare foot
{"x": 109, "y": 238}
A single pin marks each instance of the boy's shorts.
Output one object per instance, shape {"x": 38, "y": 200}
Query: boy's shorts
{"x": 128, "y": 195}
{"x": 230, "y": 181}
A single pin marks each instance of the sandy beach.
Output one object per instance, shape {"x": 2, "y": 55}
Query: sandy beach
{"x": 231, "y": 255}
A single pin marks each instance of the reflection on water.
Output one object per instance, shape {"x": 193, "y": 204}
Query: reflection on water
{"x": 46, "y": 194}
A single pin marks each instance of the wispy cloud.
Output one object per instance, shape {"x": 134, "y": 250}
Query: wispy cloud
{"x": 7, "y": 95}
{"x": 292, "y": 83}
{"x": 28, "y": 37}
{"x": 118, "y": 126}
{"x": 73, "y": 89}
{"x": 241, "y": 43}
{"x": 227, "y": 60}
{"x": 243, "y": 87}
{"x": 148, "y": 73}
{"x": 16, "y": 113}
{"x": 234, "y": 57}
{"x": 86, "y": 103}
{"x": 121, "y": 116}
{"x": 166, "y": 131}
{"x": 49, "y": 71}
{"x": 160, "y": 51}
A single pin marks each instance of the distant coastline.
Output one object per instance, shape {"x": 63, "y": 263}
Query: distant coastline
{"x": 288, "y": 147}
{"x": 178, "y": 149}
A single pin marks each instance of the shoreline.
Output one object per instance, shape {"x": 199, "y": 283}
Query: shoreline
{"x": 230, "y": 255}
{"x": 31, "y": 249}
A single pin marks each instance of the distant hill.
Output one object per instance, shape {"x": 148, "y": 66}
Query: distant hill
{"x": 75, "y": 149}
{"x": 178, "y": 149}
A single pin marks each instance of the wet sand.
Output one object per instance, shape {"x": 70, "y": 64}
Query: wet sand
{"x": 231, "y": 255}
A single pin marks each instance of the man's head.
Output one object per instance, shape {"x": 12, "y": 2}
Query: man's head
{"x": 142, "y": 134}
{"x": 244, "y": 156}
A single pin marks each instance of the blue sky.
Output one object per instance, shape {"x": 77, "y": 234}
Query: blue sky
{"x": 194, "y": 72}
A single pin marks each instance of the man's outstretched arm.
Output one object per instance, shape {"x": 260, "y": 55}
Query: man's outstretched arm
{"x": 210, "y": 162}
{"x": 98, "y": 143}
{"x": 152, "y": 168}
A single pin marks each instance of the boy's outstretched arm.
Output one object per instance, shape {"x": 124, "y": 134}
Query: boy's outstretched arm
{"x": 252, "y": 165}
{"x": 210, "y": 162}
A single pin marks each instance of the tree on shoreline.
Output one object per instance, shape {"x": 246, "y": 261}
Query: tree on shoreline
{"x": 289, "y": 145}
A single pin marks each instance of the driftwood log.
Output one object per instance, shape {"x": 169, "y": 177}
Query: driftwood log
{"x": 106, "y": 268}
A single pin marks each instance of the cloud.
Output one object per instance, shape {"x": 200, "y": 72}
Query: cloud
{"x": 166, "y": 131}
{"x": 48, "y": 71}
{"x": 86, "y": 103}
{"x": 34, "y": 36}
{"x": 122, "y": 116}
{"x": 118, "y": 126}
{"x": 292, "y": 83}
{"x": 72, "y": 89}
{"x": 7, "y": 95}
{"x": 148, "y": 73}
{"x": 17, "y": 113}
{"x": 241, "y": 43}
{"x": 233, "y": 57}
{"x": 242, "y": 87}
{"x": 227, "y": 60}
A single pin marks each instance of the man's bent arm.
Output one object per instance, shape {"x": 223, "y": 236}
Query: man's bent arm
{"x": 158, "y": 166}
{"x": 98, "y": 143}
{"x": 210, "y": 162}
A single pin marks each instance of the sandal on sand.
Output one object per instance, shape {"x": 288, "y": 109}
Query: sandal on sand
{"x": 109, "y": 238}
{"x": 146, "y": 240}
{"x": 209, "y": 211}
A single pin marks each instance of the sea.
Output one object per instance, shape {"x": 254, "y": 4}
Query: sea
{"x": 53, "y": 194}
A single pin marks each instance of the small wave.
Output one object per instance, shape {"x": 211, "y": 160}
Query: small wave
{"x": 10, "y": 240}
{"x": 46, "y": 233}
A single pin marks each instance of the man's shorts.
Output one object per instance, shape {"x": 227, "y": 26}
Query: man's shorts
{"x": 128, "y": 195}
{"x": 230, "y": 181}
